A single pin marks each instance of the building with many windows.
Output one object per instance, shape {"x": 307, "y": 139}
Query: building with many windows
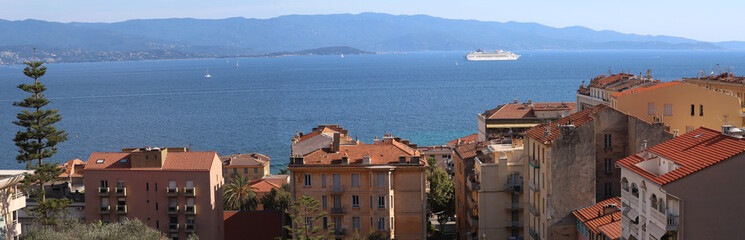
{"x": 601, "y": 87}
{"x": 12, "y": 201}
{"x": 174, "y": 190}
{"x": 725, "y": 82}
{"x": 365, "y": 187}
{"x": 514, "y": 118}
{"x": 252, "y": 165}
{"x": 685, "y": 188}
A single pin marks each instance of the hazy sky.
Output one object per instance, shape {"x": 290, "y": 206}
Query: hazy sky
{"x": 712, "y": 20}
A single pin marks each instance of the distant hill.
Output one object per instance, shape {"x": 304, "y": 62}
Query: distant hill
{"x": 377, "y": 32}
{"x": 337, "y": 50}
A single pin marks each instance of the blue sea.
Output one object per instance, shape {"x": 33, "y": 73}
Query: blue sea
{"x": 259, "y": 104}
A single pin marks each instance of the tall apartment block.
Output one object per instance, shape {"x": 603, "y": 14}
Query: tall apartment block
{"x": 174, "y": 190}
{"x": 365, "y": 187}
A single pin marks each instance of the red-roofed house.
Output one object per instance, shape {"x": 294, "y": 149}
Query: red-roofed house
{"x": 365, "y": 187}
{"x": 726, "y": 82}
{"x": 571, "y": 164}
{"x": 515, "y": 118}
{"x": 600, "y": 221}
{"x": 681, "y": 106}
{"x": 320, "y": 137}
{"x": 251, "y": 165}
{"x": 686, "y": 188}
{"x": 174, "y": 190}
{"x": 601, "y": 87}
{"x": 73, "y": 173}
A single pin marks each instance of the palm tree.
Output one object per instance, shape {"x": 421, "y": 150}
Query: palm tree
{"x": 238, "y": 195}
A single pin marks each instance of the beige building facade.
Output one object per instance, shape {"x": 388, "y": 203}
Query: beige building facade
{"x": 12, "y": 201}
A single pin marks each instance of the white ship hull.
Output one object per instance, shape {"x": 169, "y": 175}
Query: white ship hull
{"x": 491, "y": 56}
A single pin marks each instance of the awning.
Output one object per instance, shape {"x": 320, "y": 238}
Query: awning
{"x": 630, "y": 213}
{"x": 512, "y": 125}
{"x": 655, "y": 230}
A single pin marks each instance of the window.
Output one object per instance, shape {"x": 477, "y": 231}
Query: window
{"x": 104, "y": 183}
{"x": 381, "y": 179}
{"x": 325, "y": 223}
{"x": 156, "y": 186}
{"x": 235, "y": 170}
{"x": 323, "y": 180}
{"x": 608, "y": 165}
{"x": 381, "y": 202}
{"x": 224, "y": 171}
{"x": 355, "y": 201}
{"x": 245, "y": 170}
{"x": 156, "y": 206}
{"x": 147, "y": 186}
{"x": 381, "y": 223}
{"x": 693, "y": 110}
{"x": 355, "y": 180}
{"x": 337, "y": 224}
{"x": 355, "y": 223}
{"x": 607, "y": 189}
{"x": 309, "y": 222}
{"x": 306, "y": 180}
{"x": 650, "y": 108}
{"x": 123, "y": 160}
{"x": 337, "y": 201}
{"x": 608, "y": 143}
{"x": 99, "y": 161}
{"x": 371, "y": 202}
{"x": 324, "y": 201}
{"x": 668, "y": 109}
{"x": 256, "y": 170}
{"x": 120, "y": 184}
{"x": 701, "y": 110}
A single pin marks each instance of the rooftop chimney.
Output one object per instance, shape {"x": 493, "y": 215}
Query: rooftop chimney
{"x": 515, "y": 101}
{"x": 335, "y": 144}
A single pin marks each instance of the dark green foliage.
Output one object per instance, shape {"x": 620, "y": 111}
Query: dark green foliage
{"x": 71, "y": 229}
{"x": 306, "y": 207}
{"x": 238, "y": 195}
{"x": 441, "y": 198}
{"x": 277, "y": 199}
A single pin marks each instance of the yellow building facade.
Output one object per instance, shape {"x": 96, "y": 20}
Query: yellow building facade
{"x": 252, "y": 165}
{"x": 682, "y": 107}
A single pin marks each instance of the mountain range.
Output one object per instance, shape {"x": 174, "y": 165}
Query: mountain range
{"x": 189, "y": 38}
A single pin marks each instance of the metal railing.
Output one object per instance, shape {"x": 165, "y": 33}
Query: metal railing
{"x": 337, "y": 210}
{"x": 672, "y": 222}
{"x": 190, "y": 192}
{"x": 121, "y": 209}
{"x": 173, "y": 227}
{"x": 103, "y": 191}
{"x": 172, "y": 192}
{"x": 172, "y": 209}
{"x": 190, "y": 227}
{"x": 336, "y": 189}
{"x": 120, "y": 191}
{"x": 190, "y": 210}
{"x": 104, "y": 209}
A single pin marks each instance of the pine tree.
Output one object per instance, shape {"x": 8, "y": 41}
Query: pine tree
{"x": 38, "y": 141}
{"x": 305, "y": 213}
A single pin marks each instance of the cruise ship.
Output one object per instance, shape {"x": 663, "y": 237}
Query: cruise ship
{"x": 481, "y": 55}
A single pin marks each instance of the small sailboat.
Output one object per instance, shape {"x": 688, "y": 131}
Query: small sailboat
{"x": 208, "y": 73}
{"x": 342, "y": 55}
{"x": 236, "y": 63}
{"x": 456, "y": 63}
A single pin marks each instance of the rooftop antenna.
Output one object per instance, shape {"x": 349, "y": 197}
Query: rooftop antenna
{"x": 609, "y": 72}
{"x": 189, "y": 143}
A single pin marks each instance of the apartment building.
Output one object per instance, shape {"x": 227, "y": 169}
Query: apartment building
{"x": 252, "y": 165}
{"x": 364, "y": 187}
{"x": 664, "y": 103}
{"x": 600, "y": 221}
{"x": 174, "y": 190}
{"x": 685, "y": 188}
{"x": 601, "y": 87}
{"x": 443, "y": 156}
{"x": 725, "y": 82}
{"x": 514, "y": 118}
{"x": 13, "y": 200}
{"x": 466, "y": 208}
{"x": 570, "y": 165}
{"x": 320, "y": 137}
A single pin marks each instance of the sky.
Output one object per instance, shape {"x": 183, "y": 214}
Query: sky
{"x": 712, "y": 20}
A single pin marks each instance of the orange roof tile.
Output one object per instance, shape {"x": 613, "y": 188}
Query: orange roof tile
{"x": 593, "y": 216}
{"x": 525, "y": 110}
{"x": 611, "y": 230}
{"x": 263, "y": 185}
{"x": 642, "y": 89}
{"x": 175, "y": 161}
{"x": 380, "y": 154}
{"x": 467, "y": 139}
{"x": 693, "y": 151}
{"x": 576, "y": 119}
{"x": 245, "y": 159}
{"x": 69, "y": 166}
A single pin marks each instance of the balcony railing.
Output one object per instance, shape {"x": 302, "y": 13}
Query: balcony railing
{"x": 513, "y": 207}
{"x": 533, "y": 210}
{"x": 339, "y": 232}
{"x": 103, "y": 191}
{"x": 513, "y": 186}
{"x": 172, "y": 209}
{"x": 120, "y": 191}
{"x": 190, "y": 227}
{"x": 336, "y": 189}
{"x": 672, "y": 222}
{"x": 625, "y": 196}
{"x": 104, "y": 209}
{"x": 173, "y": 227}
{"x": 172, "y": 192}
{"x": 190, "y": 192}
{"x": 190, "y": 210}
{"x": 533, "y": 234}
{"x": 634, "y": 202}
{"x": 514, "y": 225}
{"x": 121, "y": 209}
{"x": 533, "y": 187}
{"x": 337, "y": 210}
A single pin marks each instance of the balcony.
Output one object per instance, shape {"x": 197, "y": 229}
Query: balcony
{"x": 533, "y": 187}
{"x": 533, "y": 234}
{"x": 625, "y": 196}
{"x": 513, "y": 207}
{"x": 514, "y": 225}
{"x": 190, "y": 210}
{"x": 103, "y": 191}
{"x": 474, "y": 186}
{"x": 190, "y": 227}
{"x": 337, "y": 189}
{"x": 533, "y": 210}
{"x": 190, "y": 192}
{"x": 173, "y": 227}
{"x": 120, "y": 191}
{"x": 634, "y": 202}
{"x": 172, "y": 192}
{"x": 513, "y": 186}
{"x": 339, "y": 232}
{"x": 337, "y": 210}
{"x": 672, "y": 223}
{"x": 104, "y": 209}
{"x": 634, "y": 229}
{"x": 172, "y": 209}
{"x": 121, "y": 209}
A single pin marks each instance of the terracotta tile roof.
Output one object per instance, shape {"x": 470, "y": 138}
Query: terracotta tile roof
{"x": 245, "y": 159}
{"x": 324, "y": 129}
{"x": 467, "y": 139}
{"x": 278, "y": 179}
{"x": 594, "y": 218}
{"x": 576, "y": 119}
{"x": 526, "y": 110}
{"x": 611, "y": 230}
{"x": 380, "y": 154}
{"x": 470, "y": 150}
{"x": 723, "y": 77}
{"x": 693, "y": 151}
{"x": 642, "y": 89}
{"x": 601, "y": 81}
{"x": 69, "y": 167}
{"x": 175, "y": 161}
{"x": 263, "y": 185}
